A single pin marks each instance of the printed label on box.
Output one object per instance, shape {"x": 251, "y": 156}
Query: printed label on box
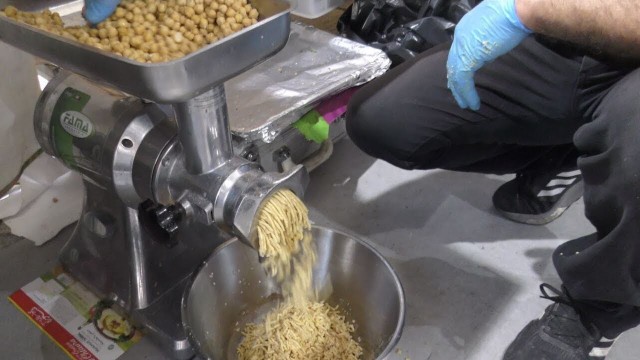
{"x": 85, "y": 327}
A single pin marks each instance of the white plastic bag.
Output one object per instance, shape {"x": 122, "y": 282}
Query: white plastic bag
{"x": 18, "y": 94}
{"x": 47, "y": 196}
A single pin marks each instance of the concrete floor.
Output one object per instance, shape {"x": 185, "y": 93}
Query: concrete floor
{"x": 470, "y": 277}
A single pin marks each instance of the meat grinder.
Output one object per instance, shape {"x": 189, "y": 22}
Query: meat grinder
{"x": 152, "y": 141}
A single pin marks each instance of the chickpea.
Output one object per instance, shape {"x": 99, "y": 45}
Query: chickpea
{"x": 164, "y": 30}
{"x": 211, "y": 38}
{"x": 173, "y": 47}
{"x": 155, "y": 57}
{"x": 11, "y": 11}
{"x": 57, "y": 19}
{"x": 102, "y": 33}
{"x": 119, "y": 13}
{"x": 137, "y": 41}
{"x": 152, "y": 31}
{"x": 139, "y": 30}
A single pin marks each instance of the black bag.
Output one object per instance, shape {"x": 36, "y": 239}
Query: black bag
{"x": 403, "y": 28}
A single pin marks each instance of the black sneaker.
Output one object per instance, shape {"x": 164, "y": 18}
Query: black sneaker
{"x": 559, "y": 334}
{"x": 538, "y": 199}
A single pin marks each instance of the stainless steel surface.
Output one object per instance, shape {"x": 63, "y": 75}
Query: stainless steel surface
{"x": 126, "y": 137}
{"x": 103, "y": 108}
{"x": 170, "y": 82}
{"x": 265, "y": 100}
{"x": 229, "y": 196}
{"x": 115, "y": 252}
{"x": 300, "y": 148}
{"x": 203, "y": 124}
{"x": 220, "y": 301}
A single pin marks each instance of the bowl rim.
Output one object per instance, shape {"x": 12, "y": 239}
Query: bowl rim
{"x": 397, "y": 333}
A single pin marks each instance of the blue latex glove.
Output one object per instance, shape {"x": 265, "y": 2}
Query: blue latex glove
{"x": 95, "y": 11}
{"x": 490, "y": 30}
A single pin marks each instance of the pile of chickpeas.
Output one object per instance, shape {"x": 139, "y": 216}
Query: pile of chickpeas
{"x": 152, "y": 31}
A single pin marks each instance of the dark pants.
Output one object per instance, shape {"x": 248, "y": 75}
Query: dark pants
{"x": 542, "y": 109}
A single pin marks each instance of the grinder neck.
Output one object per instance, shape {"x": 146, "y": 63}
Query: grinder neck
{"x": 203, "y": 130}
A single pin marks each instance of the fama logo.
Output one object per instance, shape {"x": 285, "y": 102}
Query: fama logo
{"x": 76, "y": 124}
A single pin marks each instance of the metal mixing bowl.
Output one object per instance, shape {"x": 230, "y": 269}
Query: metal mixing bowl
{"x": 232, "y": 289}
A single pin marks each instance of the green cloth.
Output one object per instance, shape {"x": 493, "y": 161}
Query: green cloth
{"x": 313, "y": 126}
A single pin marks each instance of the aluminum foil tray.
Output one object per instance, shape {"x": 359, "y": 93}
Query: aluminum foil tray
{"x": 169, "y": 82}
{"x": 265, "y": 100}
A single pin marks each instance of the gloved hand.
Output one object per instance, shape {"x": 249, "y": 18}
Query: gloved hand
{"x": 96, "y": 11}
{"x": 490, "y": 30}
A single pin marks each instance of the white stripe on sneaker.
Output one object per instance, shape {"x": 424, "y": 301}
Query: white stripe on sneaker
{"x": 599, "y": 352}
{"x": 569, "y": 173}
{"x": 552, "y": 192}
{"x": 556, "y": 182}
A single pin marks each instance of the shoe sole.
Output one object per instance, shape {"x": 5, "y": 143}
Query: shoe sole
{"x": 572, "y": 195}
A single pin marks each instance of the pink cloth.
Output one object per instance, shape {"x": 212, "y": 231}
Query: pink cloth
{"x": 336, "y": 106}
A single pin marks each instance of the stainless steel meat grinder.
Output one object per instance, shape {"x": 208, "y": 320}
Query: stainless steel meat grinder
{"x": 152, "y": 141}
